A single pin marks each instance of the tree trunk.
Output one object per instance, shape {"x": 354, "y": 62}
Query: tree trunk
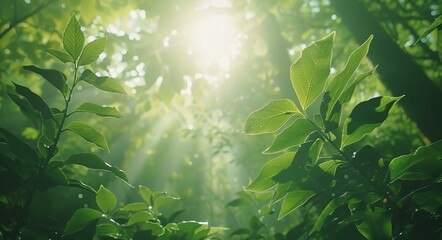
{"x": 399, "y": 73}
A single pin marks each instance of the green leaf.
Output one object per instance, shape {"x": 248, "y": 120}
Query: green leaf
{"x": 264, "y": 180}
{"x": 88, "y": 133}
{"x": 315, "y": 151}
{"x": 138, "y": 217}
{"x": 436, "y": 23}
{"x": 105, "y": 199}
{"x": 331, "y": 166}
{"x": 26, "y": 109}
{"x": 26, "y": 155}
{"x": 35, "y": 101}
{"x": 309, "y": 73}
{"x": 99, "y": 110}
{"x": 103, "y": 83}
{"x": 82, "y": 185}
{"x": 365, "y": 117}
{"x": 108, "y": 230}
{"x": 349, "y": 89}
{"x": 151, "y": 227}
{"x": 73, "y": 38}
{"x": 293, "y": 200}
{"x": 400, "y": 166}
{"x": 161, "y": 199}
{"x": 329, "y": 209}
{"x": 62, "y": 56}
{"x": 54, "y": 77}
{"x": 92, "y": 161}
{"x": 341, "y": 81}
{"x": 134, "y": 207}
{"x": 439, "y": 44}
{"x": 292, "y": 136}
{"x": 430, "y": 200}
{"x": 81, "y": 219}
{"x": 146, "y": 194}
{"x": 14, "y": 166}
{"x": 377, "y": 224}
{"x": 270, "y": 117}
{"x": 91, "y": 51}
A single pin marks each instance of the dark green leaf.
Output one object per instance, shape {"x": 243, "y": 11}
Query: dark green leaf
{"x": 73, "y": 38}
{"x": 309, "y": 73}
{"x": 88, "y": 133}
{"x": 365, "y": 117}
{"x": 270, "y": 117}
{"x": 14, "y": 166}
{"x": 293, "y": 200}
{"x": 292, "y": 136}
{"x": 82, "y": 185}
{"x": 26, "y": 109}
{"x": 264, "y": 180}
{"x": 105, "y": 199}
{"x": 104, "y": 83}
{"x": 328, "y": 210}
{"x": 99, "y": 110}
{"x": 377, "y": 224}
{"x": 400, "y": 166}
{"x": 62, "y": 56}
{"x": 162, "y": 199}
{"x": 109, "y": 230}
{"x": 26, "y": 155}
{"x": 81, "y": 219}
{"x": 91, "y": 51}
{"x": 54, "y": 77}
{"x": 35, "y": 101}
{"x": 430, "y": 200}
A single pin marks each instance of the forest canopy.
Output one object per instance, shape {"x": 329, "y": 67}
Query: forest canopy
{"x": 220, "y": 119}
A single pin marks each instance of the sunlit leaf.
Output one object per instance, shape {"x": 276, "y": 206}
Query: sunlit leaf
{"x": 103, "y": 83}
{"x": 365, "y": 117}
{"x": 315, "y": 151}
{"x": 105, "y": 199}
{"x": 91, "y": 51}
{"x": 309, "y": 73}
{"x": 99, "y": 110}
{"x": 62, "y": 56}
{"x": 81, "y": 219}
{"x": 54, "y": 77}
{"x": 292, "y": 136}
{"x": 35, "y": 101}
{"x": 153, "y": 228}
{"x": 162, "y": 199}
{"x": 377, "y": 224}
{"x": 264, "y": 180}
{"x": 293, "y": 200}
{"x": 399, "y": 166}
{"x": 134, "y": 207}
{"x": 73, "y": 38}
{"x": 146, "y": 194}
{"x": 270, "y": 117}
{"x": 342, "y": 80}
{"x": 349, "y": 89}
{"x": 138, "y": 217}
{"x": 434, "y": 25}
{"x": 331, "y": 166}
{"x": 88, "y": 133}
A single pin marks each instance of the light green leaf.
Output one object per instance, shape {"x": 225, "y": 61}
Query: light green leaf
{"x": 365, "y": 117}
{"x": 292, "y": 136}
{"x": 270, "y": 117}
{"x": 103, "y": 83}
{"x": 91, "y": 51}
{"x": 331, "y": 166}
{"x": 348, "y": 92}
{"x": 146, "y": 194}
{"x": 341, "y": 81}
{"x": 154, "y": 228}
{"x": 81, "y": 219}
{"x": 62, "y": 56}
{"x": 264, "y": 180}
{"x": 73, "y": 38}
{"x": 35, "y": 101}
{"x": 99, "y": 110}
{"x": 434, "y": 25}
{"x": 138, "y": 217}
{"x": 315, "y": 151}
{"x": 134, "y": 207}
{"x": 377, "y": 224}
{"x": 92, "y": 161}
{"x": 309, "y": 73}
{"x": 88, "y": 133}
{"x": 400, "y": 166}
{"x": 161, "y": 199}
{"x": 109, "y": 230}
{"x": 293, "y": 200}
{"x": 105, "y": 199}
{"x": 54, "y": 77}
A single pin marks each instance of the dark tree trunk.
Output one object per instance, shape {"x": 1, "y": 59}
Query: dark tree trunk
{"x": 399, "y": 73}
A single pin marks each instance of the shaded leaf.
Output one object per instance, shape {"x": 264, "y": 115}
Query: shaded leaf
{"x": 103, "y": 83}
{"x": 82, "y": 185}
{"x": 91, "y": 51}
{"x": 109, "y": 230}
{"x": 81, "y": 219}
{"x": 377, "y": 224}
{"x": 99, "y": 110}
{"x": 88, "y": 133}
{"x": 293, "y": 200}
{"x": 54, "y": 77}
{"x": 264, "y": 180}
{"x": 105, "y": 199}
{"x": 365, "y": 117}
{"x": 328, "y": 210}
{"x": 26, "y": 155}
{"x": 331, "y": 166}
{"x": 400, "y": 166}
{"x": 26, "y": 109}
{"x": 34, "y": 100}
{"x": 309, "y": 73}
{"x": 292, "y": 136}
{"x": 62, "y": 56}
{"x": 270, "y": 117}
{"x": 73, "y": 38}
